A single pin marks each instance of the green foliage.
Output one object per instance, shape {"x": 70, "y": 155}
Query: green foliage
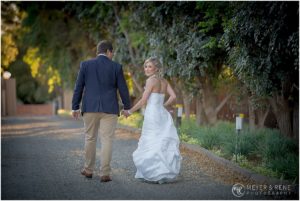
{"x": 29, "y": 90}
{"x": 258, "y": 40}
{"x": 135, "y": 120}
{"x": 9, "y": 50}
{"x": 185, "y": 49}
{"x": 58, "y": 43}
{"x": 286, "y": 165}
{"x": 210, "y": 139}
{"x": 261, "y": 42}
{"x": 264, "y": 150}
{"x": 249, "y": 142}
{"x": 245, "y": 163}
{"x": 188, "y": 132}
{"x": 213, "y": 14}
{"x": 61, "y": 44}
{"x": 279, "y": 153}
{"x": 10, "y": 30}
{"x": 187, "y": 138}
{"x": 196, "y": 41}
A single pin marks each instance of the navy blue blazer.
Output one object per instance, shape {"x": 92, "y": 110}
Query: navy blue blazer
{"x": 97, "y": 84}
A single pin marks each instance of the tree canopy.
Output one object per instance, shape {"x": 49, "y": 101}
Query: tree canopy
{"x": 208, "y": 49}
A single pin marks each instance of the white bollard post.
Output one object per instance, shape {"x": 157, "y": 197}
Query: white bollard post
{"x": 179, "y": 115}
{"x": 238, "y": 127}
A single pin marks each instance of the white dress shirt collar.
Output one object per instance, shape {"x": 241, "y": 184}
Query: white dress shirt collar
{"x": 101, "y": 54}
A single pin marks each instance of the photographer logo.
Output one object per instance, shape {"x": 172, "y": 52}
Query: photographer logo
{"x": 238, "y": 190}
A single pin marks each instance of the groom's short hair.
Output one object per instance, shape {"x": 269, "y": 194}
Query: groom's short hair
{"x": 103, "y": 46}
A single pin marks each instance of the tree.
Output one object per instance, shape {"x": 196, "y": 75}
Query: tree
{"x": 188, "y": 50}
{"x": 61, "y": 43}
{"x": 52, "y": 47}
{"x": 11, "y": 18}
{"x": 29, "y": 90}
{"x": 262, "y": 43}
{"x": 130, "y": 43}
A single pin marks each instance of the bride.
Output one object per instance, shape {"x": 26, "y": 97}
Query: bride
{"x": 157, "y": 158}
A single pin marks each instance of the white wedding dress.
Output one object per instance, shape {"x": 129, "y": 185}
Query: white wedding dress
{"x": 157, "y": 157}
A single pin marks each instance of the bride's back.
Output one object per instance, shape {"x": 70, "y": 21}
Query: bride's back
{"x": 160, "y": 85}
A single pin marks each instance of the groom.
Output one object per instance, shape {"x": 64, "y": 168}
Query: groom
{"x": 97, "y": 83}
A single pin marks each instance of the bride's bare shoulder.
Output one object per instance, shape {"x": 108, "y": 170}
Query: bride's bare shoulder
{"x": 151, "y": 80}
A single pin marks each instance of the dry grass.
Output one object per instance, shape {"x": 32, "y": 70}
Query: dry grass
{"x": 213, "y": 168}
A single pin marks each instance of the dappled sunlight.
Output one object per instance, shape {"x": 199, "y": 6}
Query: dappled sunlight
{"x": 54, "y": 78}
{"x": 26, "y": 129}
{"x": 11, "y": 52}
{"x": 29, "y": 126}
{"x": 126, "y": 135}
{"x": 117, "y": 171}
{"x": 68, "y": 133}
{"x": 77, "y": 152}
{"x": 40, "y": 128}
{"x": 33, "y": 60}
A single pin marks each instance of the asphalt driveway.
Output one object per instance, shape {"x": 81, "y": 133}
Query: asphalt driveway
{"x": 42, "y": 158}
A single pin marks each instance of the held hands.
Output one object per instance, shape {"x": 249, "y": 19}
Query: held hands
{"x": 125, "y": 113}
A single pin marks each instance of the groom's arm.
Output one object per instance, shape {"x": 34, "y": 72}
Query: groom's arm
{"x": 123, "y": 89}
{"x": 78, "y": 89}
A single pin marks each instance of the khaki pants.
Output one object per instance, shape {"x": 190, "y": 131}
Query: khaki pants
{"x": 107, "y": 124}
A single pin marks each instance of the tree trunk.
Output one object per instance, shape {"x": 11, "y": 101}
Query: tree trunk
{"x": 296, "y": 121}
{"x": 185, "y": 98}
{"x": 131, "y": 52}
{"x": 251, "y": 114}
{"x": 62, "y": 95}
{"x": 186, "y": 106}
{"x": 283, "y": 114}
{"x": 262, "y": 116}
{"x": 210, "y": 103}
{"x": 201, "y": 118}
{"x": 126, "y": 34}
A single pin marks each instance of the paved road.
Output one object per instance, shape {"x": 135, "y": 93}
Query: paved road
{"x": 42, "y": 158}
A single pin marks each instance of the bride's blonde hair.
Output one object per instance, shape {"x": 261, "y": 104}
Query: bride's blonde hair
{"x": 155, "y": 61}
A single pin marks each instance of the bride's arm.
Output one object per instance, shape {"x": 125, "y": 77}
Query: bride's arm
{"x": 148, "y": 89}
{"x": 172, "y": 97}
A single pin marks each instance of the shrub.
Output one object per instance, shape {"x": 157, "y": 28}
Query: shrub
{"x": 249, "y": 143}
{"x": 265, "y": 151}
{"x": 280, "y": 154}
{"x": 287, "y": 166}
{"x": 210, "y": 139}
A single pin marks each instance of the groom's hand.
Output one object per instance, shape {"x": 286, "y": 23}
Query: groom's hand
{"x": 76, "y": 114}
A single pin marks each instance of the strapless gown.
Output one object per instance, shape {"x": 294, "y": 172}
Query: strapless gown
{"x": 157, "y": 157}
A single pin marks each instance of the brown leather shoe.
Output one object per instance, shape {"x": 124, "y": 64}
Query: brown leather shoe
{"x": 84, "y": 173}
{"x": 105, "y": 179}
